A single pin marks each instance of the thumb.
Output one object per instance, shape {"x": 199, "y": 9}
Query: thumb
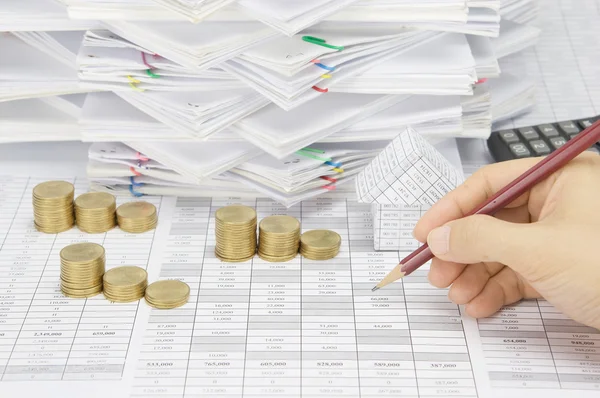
{"x": 482, "y": 238}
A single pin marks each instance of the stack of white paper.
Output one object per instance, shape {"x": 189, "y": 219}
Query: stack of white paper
{"x": 257, "y": 97}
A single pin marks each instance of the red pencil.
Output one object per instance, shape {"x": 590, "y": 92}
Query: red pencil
{"x": 506, "y": 195}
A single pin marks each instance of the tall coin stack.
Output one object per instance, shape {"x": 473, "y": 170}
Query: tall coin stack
{"x": 81, "y": 269}
{"x": 137, "y": 217}
{"x": 125, "y": 284}
{"x": 235, "y": 233}
{"x": 53, "y": 206}
{"x": 279, "y": 238}
{"x": 95, "y": 212}
{"x": 320, "y": 244}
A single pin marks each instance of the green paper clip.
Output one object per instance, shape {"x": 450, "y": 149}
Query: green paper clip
{"x": 308, "y": 155}
{"x": 321, "y": 42}
{"x": 151, "y": 74}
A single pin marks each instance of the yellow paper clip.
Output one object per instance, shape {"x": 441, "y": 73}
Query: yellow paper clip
{"x": 338, "y": 170}
{"x": 133, "y": 86}
{"x": 326, "y": 76}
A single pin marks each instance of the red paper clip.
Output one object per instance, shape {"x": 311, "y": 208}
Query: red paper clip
{"x": 319, "y": 89}
{"x": 329, "y": 178}
{"x": 134, "y": 171}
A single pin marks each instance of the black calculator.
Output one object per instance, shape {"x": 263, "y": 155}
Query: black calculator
{"x": 536, "y": 141}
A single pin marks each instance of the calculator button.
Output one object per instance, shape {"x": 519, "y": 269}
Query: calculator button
{"x": 585, "y": 123}
{"x": 548, "y": 130}
{"x": 540, "y": 147}
{"x": 557, "y": 142}
{"x": 569, "y": 127}
{"x": 520, "y": 150}
{"x": 529, "y": 133}
{"x": 509, "y": 136}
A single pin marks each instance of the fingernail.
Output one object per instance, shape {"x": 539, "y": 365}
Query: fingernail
{"x": 439, "y": 240}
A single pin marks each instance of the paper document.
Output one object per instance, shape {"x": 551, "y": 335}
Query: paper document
{"x": 296, "y": 329}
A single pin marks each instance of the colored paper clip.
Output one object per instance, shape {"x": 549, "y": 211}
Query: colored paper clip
{"x": 326, "y": 76}
{"x": 309, "y": 155}
{"x": 331, "y": 179}
{"x": 337, "y": 164}
{"x": 134, "y": 171}
{"x": 321, "y": 42}
{"x": 329, "y": 187}
{"x": 141, "y": 157}
{"x": 132, "y": 81}
{"x": 483, "y": 80}
{"x": 338, "y": 170}
{"x": 150, "y": 67}
{"x": 322, "y": 66}
{"x": 319, "y": 89}
{"x": 135, "y": 184}
{"x": 134, "y": 193}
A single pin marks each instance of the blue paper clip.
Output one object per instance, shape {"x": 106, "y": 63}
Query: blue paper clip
{"x": 134, "y": 193}
{"x": 338, "y": 164}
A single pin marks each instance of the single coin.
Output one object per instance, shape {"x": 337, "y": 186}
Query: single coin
{"x": 277, "y": 259}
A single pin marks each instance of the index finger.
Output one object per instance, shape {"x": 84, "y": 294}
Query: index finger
{"x": 476, "y": 189}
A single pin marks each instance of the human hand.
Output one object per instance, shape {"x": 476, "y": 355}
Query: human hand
{"x": 544, "y": 244}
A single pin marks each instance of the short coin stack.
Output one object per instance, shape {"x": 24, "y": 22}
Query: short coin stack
{"x": 95, "y": 212}
{"x": 53, "y": 206}
{"x": 279, "y": 238}
{"x": 137, "y": 217}
{"x": 125, "y": 284}
{"x": 82, "y": 267}
{"x": 320, "y": 244}
{"x": 235, "y": 233}
{"x": 167, "y": 294}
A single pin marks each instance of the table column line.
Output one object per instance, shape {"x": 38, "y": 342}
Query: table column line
{"x": 352, "y": 290}
{"x": 249, "y": 308}
{"x": 187, "y": 368}
{"x": 31, "y": 301}
{"x": 412, "y": 349}
{"x": 548, "y": 341}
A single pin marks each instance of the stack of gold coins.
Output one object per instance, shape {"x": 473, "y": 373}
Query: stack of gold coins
{"x": 320, "y": 244}
{"x": 53, "y": 206}
{"x": 137, "y": 217}
{"x": 167, "y": 294}
{"x": 125, "y": 284}
{"x": 235, "y": 233}
{"x": 95, "y": 212}
{"x": 279, "y": 238}
{"x": 81, "y": 269}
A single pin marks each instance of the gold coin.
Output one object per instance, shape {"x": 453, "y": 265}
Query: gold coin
{"x": 136, "y": 210}
{"x": 168, "y": 291}
{"x": 81, "y": 293}
{"x": 125, "y": 277}
{"x": 53, "y": 190}
{"x": 82, "y": 252}
{"x": 235, "y": 214}
{"x": 279, "y": 225}
{"x": 321, "y": 239}
{"x": 277, "y": 259}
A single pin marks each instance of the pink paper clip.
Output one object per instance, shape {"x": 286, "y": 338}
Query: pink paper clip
{"x": 329, "y": 178}
{"x": 483, "y": 80}
{"x": 134, "y": 171}
{"x": 329, "y": 187}
{"x": 142, "y": 158}
{"x": 319, "y": 89}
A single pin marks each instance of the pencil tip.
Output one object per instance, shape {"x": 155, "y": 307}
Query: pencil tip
{"x": 375, "y": 289}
